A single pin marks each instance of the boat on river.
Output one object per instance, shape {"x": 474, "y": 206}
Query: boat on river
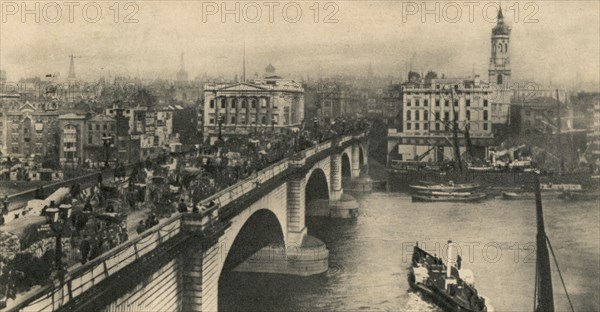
{"x": 448, "y": 197}
{"x": 445, "y": 187}
{"x": 580, "y": 195}
{"x": 517, "y": 195}
{"x": 447, "y": 284}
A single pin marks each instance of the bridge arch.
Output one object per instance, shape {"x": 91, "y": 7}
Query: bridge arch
{"x": 362, "y": 159}
{"x": 262, "y": 228}
{"x": 317, "y": 185}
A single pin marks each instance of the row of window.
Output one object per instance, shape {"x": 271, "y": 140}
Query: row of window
{"x": 438, "y": 126}
{"x": 233, "y": 120}
{"x": 244, "y": 103}
{"x": 104, "y": 127}
{"x": 446, "y": 115}
{"x": 446, "y": 102}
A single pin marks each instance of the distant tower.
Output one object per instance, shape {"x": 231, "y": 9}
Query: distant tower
{"x": 499, "y": 72}
{"x": 182, "y": 75}
{"x": 72, "y": 76}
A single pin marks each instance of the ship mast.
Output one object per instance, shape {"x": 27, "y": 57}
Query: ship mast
{"x": 455, "y": 131}
{"x": 562, "y": 160}
{"x": 545, "y": 300}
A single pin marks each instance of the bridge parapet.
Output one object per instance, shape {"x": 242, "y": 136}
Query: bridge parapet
{"x": 73, "y": 287}
{"x": 80, "y": 278}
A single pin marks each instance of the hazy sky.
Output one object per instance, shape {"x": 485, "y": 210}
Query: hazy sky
{"x": 555, "y": 40}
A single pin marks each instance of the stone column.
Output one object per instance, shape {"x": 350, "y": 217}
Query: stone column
{"x": 258, "y": 105}
{"x": 296, "y": 206}
{"x": 227, "y": 110}
{"x": 336, "y": 177}
{"x": 355, "y": 161}
{"x": 238, "y": 108}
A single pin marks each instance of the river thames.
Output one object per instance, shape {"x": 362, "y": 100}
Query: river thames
{"x": 369, "y": 256}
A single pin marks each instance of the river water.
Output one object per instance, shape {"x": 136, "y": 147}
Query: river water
{"x": 369, "y": 257}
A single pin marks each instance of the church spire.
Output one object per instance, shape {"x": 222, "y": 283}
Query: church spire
{"x": 72, "y": 75}
{"x": 500, "y": 15}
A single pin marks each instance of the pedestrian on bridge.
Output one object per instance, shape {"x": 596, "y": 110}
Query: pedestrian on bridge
{"x": 5, "y": 204}
{"x": 84, "y": 248}
{"x": 182, "y": 206}
{"x": 141, "y": 227}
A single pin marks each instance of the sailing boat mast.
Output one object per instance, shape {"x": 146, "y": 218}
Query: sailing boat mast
{"x": 543, "y": 283}
{"x": 562, "y": 160}
{"x": 455, "y": 131}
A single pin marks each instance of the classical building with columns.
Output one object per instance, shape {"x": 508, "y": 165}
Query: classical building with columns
{"x": 234, "y": 109}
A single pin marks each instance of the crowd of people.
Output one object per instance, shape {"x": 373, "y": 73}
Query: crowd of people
{"x": 169, "y": 184}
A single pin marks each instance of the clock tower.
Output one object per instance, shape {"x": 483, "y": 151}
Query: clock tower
{"x": 499, "y": 71}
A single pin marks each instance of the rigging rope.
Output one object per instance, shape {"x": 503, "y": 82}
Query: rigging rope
{"x": 535, "y": 288}
{"x": 559, "y": 273}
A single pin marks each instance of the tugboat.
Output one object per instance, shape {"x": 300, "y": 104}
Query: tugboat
{"x": 451, "y": 287}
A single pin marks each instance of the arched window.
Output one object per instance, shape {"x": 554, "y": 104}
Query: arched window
{"x": 500, "y": 47}
{"x": 468, "y": 115}
{"x": 485, "y": 115}
{"x": 408, "y": 115}
{"x": 264, "y": 120}
{"x": 223, "y": 103}
{"x": 233, "y": 120}
{"x": 233, "y": 103}
{"x": 253, "y": 103}
{"x": 417, "y": 115}
{"x": 499, "y": 79}
{"x": 506, "y": 47}
{"x": 244, "y": 103}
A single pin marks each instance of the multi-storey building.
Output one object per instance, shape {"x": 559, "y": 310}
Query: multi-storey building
{"x": 27, "y": 128}
{"x": 100, "y": 139}
{"x": 428, "y": 113}
{"x": 242, "y": 108}
{"x": 71, "y": 129}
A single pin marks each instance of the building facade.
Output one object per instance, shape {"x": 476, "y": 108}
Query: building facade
{"x": 246, "y": 107}
{"x": 429, "y": 111}
{"x": 28, "y": 128}
{"x": 72, "y": 132}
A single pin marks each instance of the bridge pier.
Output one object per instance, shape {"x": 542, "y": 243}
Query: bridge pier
{"x": 355, "y": 161}
{"x": 199, "y": 279}
{"x": 309, "y": 258}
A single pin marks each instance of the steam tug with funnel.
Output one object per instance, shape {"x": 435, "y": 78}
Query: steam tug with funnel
{"x": 451, "y": 287}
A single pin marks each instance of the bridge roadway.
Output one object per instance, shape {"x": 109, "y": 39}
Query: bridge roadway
{"x": 176, "y": 265}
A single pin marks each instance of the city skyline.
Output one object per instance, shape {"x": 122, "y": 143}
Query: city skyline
{"x": 377, "y": 33}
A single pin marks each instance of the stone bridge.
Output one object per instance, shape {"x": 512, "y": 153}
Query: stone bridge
{"x": 257, "y": 225}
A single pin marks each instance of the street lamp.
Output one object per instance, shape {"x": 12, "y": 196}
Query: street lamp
{"x": 221, "y": 121}
{"x": 107, "y": 140}
{"x": 273, "y": 124}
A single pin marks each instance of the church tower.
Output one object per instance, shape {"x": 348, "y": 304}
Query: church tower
{"x": 499, "y": 72}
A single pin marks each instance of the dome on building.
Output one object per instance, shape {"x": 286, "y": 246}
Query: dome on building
{"x": 270, "y": 69}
